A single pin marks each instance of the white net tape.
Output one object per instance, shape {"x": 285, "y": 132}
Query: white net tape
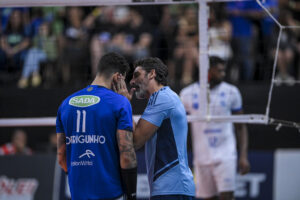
{"x": 50, "y": 121}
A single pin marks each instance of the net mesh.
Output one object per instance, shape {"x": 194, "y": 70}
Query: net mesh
{"x": 204, "y": 9}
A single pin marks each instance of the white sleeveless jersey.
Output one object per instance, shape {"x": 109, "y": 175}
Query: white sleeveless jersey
{"x": 213, "y": 142}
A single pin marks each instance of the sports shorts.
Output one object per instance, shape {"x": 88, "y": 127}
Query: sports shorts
{"x": 215, "y": 178}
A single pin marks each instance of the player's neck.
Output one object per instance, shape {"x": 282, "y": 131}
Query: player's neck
{"x": 154, "y": 88}
{"x": 213, "y": 84}
{"x": 101, "y": 81}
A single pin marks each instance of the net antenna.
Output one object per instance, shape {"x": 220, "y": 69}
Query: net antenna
{"x": 203, "y": 10}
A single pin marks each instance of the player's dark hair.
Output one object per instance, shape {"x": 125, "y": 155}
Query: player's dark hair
{"x": 215, "y": 60}
{"x": 154, "y": 63}
{"x": 111, "y": 63}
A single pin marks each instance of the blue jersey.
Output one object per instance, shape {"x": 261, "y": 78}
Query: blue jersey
{"x": 166, "y": 152}
{"x": 90, "y": 119}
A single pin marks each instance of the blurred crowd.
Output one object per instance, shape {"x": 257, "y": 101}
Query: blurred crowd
{"x": 61, "y": 46}
{"x": 19, "y": 145}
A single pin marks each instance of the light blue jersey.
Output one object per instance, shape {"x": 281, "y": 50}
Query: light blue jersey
{"x": 166, "y": 152}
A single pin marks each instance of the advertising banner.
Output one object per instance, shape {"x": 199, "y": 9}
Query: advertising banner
{"x": 26, "y": 177}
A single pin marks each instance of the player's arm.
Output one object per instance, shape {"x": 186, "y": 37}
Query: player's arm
{"x": 61, "y": 151}
{"x": 242, "y": 140}
{"x": 143, "y": 131}
{"x": 127, "y": 162}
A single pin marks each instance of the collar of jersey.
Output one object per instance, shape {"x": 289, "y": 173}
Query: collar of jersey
{"x": 99, "y": 86}
{"x": 163, "y": 88}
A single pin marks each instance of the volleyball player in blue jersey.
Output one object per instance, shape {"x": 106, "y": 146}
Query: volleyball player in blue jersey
{"x": 94, "y": 131}
{"x": 163, "y": 127}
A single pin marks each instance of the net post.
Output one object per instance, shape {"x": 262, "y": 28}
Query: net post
{"x": 203, "y": 55}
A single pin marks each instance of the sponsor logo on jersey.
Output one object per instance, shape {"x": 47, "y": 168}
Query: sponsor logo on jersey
{"x": 84, "y": 100}
{"x": 85, "y": 139}
{"x": 87, "y": 153}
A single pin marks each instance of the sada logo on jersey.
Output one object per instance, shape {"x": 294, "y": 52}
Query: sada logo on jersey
{"x": 84, "y": 100}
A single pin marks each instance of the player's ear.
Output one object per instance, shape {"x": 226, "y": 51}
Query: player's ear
{"x": 152, "y": 74}
{"x": 116, "y": 76}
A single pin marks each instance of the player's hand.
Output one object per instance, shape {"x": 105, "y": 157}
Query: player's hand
{"x": 244, "y": 166}
{"x": 120, "y": 87}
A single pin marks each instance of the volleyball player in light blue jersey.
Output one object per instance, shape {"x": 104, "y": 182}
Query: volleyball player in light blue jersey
{"x": 163, "y": 127}
{"x": 94, "y": 131}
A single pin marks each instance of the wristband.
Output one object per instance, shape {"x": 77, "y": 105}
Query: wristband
{"x": 129, "y": 179}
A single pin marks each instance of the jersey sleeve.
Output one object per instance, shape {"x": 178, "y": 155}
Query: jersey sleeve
{"x": 59, "y": 125}
{"x": 236, "y": 100}
{"x": 125, "y": 116}
{"x": 157, "y": 112}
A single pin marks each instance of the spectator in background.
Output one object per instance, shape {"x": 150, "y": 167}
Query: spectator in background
{"x": 18, "y": 144}
{"x": 120, "y": 29}
{"x": 242, "y": 37}
{"x": 52, "y": 143}
{"x": 55, "y": 16}
{"x": 5, "y": 14}
{"x": 220, "y": 33}
{"x": 139, "y": 35}
{"x": 214, "y": 144}
{"x": 186, "y": 49}
{"x": 14, "y": 42}
{"x": 44, "y": 49}
{"x": 163, "y": 45}
{"x": 266, "y": 37}
{"x": 101, "y": 20}
{"x": 75, "y": 47}
{"x": 294, "y": 20}
{"x": 286, "y": 52}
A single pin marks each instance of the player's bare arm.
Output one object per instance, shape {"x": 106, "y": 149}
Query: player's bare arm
{"x": 242, "y": 140}
{"x": 61, "y": 151}
{"x": 143, "y": 131}
{"x": 128, "y": 163}
{"x": 127, "y": 153}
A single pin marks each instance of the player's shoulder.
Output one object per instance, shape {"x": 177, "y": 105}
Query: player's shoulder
{"x": 67, "y": 99}
{"x": 163, "y": 95}
{"x": 229, "y": 86}
{"x": 166, "y": 93}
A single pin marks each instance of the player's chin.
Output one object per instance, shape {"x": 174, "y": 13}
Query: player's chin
{"x": 139, "y": 95}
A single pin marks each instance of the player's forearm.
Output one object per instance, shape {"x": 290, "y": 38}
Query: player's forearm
{"x": 128, "y": 158}
{"x": 139, "y": 139}
{"x": 242, "y": 138}
{"x": 138, "y": 143}
{"x": 126, "y": 149}
{"x": 61, "y": 151}
{"x": 133, "y": 123}
{"x": 62, "y": 160}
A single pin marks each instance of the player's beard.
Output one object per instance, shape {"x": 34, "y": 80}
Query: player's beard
{"x": 141, "y": 90}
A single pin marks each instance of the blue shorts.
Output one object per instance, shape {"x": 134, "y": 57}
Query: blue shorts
{"x": 172, "y": 197}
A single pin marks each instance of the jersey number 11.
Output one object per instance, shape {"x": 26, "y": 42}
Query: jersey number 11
{"x": 83, "y": 121}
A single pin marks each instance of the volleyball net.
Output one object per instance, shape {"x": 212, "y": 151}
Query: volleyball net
{"x": 199, "y": 40}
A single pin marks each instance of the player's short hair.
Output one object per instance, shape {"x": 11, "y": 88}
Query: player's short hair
{"x": 111, "y": 63}
{"x": 154, "y": 63}
{"x": 215, "y": 60}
